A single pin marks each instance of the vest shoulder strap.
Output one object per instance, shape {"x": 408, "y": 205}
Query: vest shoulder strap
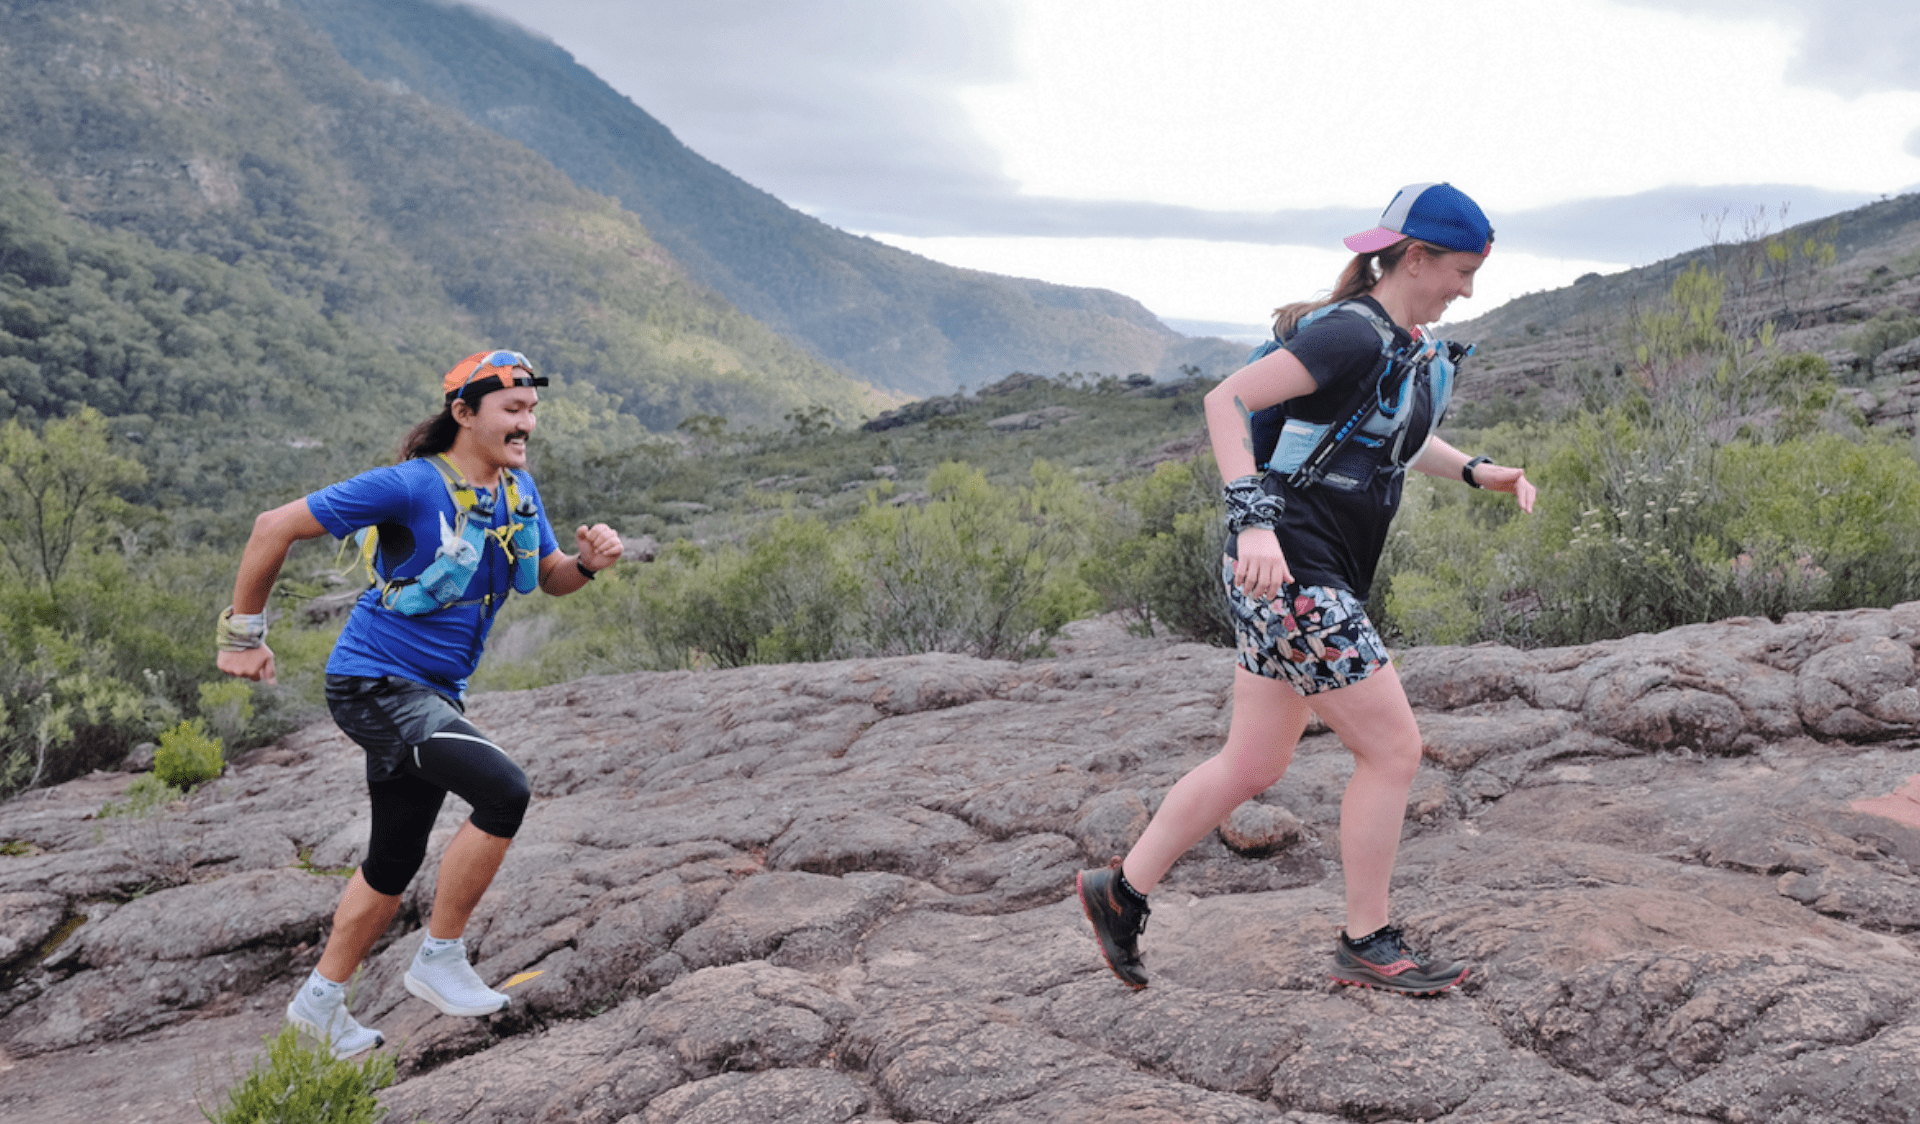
{"x": 462, "y": 493}
{"x": 465, "y": 496}
{"x": 1381, "y": 325}
{"x": 1369, "y": 397}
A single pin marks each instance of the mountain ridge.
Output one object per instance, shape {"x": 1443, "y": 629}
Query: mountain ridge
{"x": 1542, "y": 342}
{"x": 234, "y": 132}
{"x": 891, "y": 317}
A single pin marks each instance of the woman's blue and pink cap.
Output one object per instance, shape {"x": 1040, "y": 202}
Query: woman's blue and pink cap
{"x": 1439, "y": 213}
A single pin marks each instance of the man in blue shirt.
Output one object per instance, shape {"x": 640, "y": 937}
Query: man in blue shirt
{"x": 459, "y": 525}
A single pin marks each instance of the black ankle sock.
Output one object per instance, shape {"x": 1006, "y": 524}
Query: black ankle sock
{"x": 1126, "y": 889}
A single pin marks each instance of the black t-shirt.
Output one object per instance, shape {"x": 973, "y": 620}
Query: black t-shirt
{"x": 1330, "y": 537}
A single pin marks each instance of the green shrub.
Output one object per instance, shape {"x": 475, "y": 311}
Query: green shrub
{"x": 609, "y": 628}
{"x": 786, "y": 597}
{"x": 188, "y": 755}
{"x": 988, "y": 571}
{"x": 227, "y": 706}
{"x": 1672, "y": 496}
{"x": 1890, "y": 328}
{"x": 1436, "y": 578}
{"x": 145, "y": 797}
{"x": 59, "y": 717}
{"x": 298, "y": 1083}
{"x": 1837, "y": 516}
{"x": 980, "y": 568}
{"x": 1631, "y": 541}
{"x": 1159, "y": 558}
{"x": 1800, "y": 391}
{"x": 1646, "y": 522}
{"x": 1188, "y": 592}
{"x": 112, "y": 655}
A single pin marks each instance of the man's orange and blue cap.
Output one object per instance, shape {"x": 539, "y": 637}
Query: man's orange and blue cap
{"x": 485, "y": 371}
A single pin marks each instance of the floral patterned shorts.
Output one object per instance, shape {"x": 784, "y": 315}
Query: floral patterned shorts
{"x": 1314, "y": 637}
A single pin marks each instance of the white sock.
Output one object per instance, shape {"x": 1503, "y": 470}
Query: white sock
{"x": 318, "y": 992}
{"x": 435, "y": 944}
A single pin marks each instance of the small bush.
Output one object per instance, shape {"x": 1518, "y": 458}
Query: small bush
{"x": 1890, "y": 328}
{"x": 1161, "y": 561}
{"x": 1840, "y": 517}
{"x": 227, "y": 706}
{"x": 188, "y": 755}
{"x": 146, "y": 796}
{"x": 298, "y": 1083}
{"x": 56, "y": 724}
{"x": 784, "y": 598}
{"x": 989, "y": 571}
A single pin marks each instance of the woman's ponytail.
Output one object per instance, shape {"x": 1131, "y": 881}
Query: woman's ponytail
{"x": 1356, "y": 280}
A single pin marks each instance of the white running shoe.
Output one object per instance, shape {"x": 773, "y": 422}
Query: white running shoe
{"x": 321, "y": 1013}
{"x": 445, "y": 979}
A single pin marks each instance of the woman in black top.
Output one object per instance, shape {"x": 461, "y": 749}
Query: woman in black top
{"x": 1300, "y": 564}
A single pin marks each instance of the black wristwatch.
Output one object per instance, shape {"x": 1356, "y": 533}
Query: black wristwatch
{"x": 1466, "y": 470}
{"x": 589, "y": 574}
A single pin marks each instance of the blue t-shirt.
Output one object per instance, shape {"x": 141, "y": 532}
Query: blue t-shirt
{"x": 406, "y": 501}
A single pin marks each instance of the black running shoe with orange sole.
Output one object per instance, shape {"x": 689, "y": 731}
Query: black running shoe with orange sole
{"x": 1117, "y": 922}
{"x": 1384, "y": 961}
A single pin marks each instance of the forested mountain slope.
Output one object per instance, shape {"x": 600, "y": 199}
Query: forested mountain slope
{"x": 892, "y": 318}
{"x": 219, "y": 137}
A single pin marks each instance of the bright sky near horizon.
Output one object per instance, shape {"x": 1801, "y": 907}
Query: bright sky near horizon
{"x": 1205, "y": 156}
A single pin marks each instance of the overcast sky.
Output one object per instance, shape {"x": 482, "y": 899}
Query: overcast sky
{"x": 1206, "y": 156}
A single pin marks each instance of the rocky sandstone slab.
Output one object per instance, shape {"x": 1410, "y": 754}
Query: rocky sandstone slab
{"x": 842, "y": 893}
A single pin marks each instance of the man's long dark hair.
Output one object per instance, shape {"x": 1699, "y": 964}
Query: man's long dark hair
{"x": 435, "y": 435}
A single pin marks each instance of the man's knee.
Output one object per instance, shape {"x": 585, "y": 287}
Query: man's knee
{"x": 501, "y": 810}
{"x": 389, "y": 872}
{"x": 468, "y": 763}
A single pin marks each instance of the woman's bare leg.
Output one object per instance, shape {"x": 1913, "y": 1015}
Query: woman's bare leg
{"x": 1268, "y": 719}
{"x": 1376, "y": 724}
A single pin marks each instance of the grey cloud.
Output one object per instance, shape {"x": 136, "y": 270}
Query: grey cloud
{"x": 961, "y": 214}
{"x": 1645, "y": 227}
{"x": 843, "y": 102}
{"x": 1851, "y": 47}
{"x": 848, "y": 109}
{"x": 1859, "y": 49}
{"x": 1631, "y": 229}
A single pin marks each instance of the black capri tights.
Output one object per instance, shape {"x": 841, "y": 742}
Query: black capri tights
{"x": 409, "y": 775}
{"x": 459, "y": 760}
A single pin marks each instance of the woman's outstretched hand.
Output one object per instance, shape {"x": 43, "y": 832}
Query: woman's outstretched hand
{"x": 1499, "y": 478}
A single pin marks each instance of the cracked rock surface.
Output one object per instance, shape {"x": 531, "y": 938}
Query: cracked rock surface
{"x": 1683, "y": 866}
